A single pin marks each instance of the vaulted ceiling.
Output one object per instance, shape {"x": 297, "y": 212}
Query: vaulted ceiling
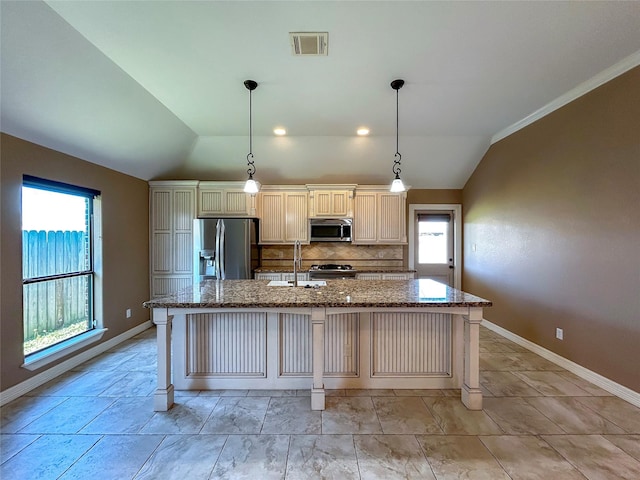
{"x": 155, "y": 89}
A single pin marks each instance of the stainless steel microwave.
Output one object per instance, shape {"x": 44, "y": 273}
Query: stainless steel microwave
{"x": 330, "y": 229}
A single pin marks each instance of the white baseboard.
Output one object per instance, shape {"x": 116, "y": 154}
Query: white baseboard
{"x": 603, "y": 382}
{"x": 40, "y": 379}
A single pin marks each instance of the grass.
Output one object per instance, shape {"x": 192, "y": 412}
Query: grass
{"x": 46, "y": 339}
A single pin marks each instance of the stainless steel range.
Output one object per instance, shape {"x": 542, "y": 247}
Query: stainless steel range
{"x": 331, "y": 271}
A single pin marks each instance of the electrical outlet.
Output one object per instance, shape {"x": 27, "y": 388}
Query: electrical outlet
{"x": 559, "y": 334}
{"x": 128, "y": 313}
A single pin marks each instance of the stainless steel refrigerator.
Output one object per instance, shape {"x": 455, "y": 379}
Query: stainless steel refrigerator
{"x": 225, "y": 248}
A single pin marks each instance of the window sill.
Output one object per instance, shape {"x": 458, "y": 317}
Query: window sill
{"x": 56, "y": 352}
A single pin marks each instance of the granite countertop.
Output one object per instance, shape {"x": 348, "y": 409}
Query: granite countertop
{"x": 357, "y": 269}
{"x": 383, "y": 270}
{"x": 337, "y": 293}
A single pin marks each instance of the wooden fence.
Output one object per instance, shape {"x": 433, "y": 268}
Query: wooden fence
{"x": 54, "y": 304}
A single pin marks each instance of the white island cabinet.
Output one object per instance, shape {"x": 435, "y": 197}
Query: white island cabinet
{"x": 244, "y": 334}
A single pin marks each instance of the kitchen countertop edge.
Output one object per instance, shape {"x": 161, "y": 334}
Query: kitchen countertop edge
{"x": 252, "y": 294}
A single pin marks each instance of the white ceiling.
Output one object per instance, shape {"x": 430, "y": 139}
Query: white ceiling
{"x": 155, "y": 89}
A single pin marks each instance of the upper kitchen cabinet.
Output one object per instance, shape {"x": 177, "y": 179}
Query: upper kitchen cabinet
{"x": 332, "y": 201}
{"x": 172, "y": 210}
{"x": 225, "y": 199}
{"x": 283, "y": 214}
{"x": 380, "y": 216}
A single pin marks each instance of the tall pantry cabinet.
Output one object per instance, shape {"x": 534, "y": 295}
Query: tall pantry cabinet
{"x": 172, "y": 210}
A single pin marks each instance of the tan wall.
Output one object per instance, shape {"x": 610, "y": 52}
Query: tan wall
{"x": 554, "y": 212}
{"x": 434, "y": 196}
{"x": 125, "y": 222}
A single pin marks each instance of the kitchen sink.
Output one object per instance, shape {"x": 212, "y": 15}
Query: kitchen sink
{"x": 301, "y": 283}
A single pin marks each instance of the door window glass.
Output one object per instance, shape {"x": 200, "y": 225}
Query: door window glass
{"x": 433, "y": 238}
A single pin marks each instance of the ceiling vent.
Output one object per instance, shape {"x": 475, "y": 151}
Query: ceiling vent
{"x": 309, "y": 43}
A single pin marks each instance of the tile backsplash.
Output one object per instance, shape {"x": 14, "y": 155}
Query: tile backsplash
{"x": 329, "y": 252}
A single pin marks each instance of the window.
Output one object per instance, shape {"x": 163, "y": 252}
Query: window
{"x": 57, "y": 263}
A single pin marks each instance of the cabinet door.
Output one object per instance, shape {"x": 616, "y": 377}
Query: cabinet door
{"x": 369, "y": 276}
{"x": 397, "y": 276}
{"x": 172, "y": 214}
{"x": 391, "y": 218}
{"x": 163, "y": 285}
{"x": 364, "y": 220}
{"x": 161, "y": 234}
{"x": 332, "y": 203}
{"x": 322, "y": 203}
{"x": 296, "y": 224}
{"x": 341, "y": 204}
{"x": 183, "y": 215}
{"x": 210, "y": 202}
{"x": 235, "y": 203}
{"x": 217, "y": 202}
{"x": 268, "y": 276}
{"x": 302, "y": 277}
{"x": 283, "y": 217}
{"x": 271, "y": 217}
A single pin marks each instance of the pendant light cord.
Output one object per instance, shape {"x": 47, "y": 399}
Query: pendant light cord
{"x": 398, "y": 157}
{"x": 252, "y": 167}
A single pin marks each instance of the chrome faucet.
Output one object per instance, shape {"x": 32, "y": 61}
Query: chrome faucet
{"x": 297, "y": 261}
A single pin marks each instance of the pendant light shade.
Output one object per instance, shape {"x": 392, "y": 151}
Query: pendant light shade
{"x": 397, "y": 185}
{"x": 251, "y": 186}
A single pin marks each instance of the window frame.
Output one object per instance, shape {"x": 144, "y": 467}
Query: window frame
{"x": 94, "y": 333}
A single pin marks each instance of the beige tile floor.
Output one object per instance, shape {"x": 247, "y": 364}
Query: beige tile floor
{"x": 539, "y": 422}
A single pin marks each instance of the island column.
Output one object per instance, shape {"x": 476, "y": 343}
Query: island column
{"x": 318, "y": 316}
{"x": 471, "y": 394}
{"x": 163, "y": 396}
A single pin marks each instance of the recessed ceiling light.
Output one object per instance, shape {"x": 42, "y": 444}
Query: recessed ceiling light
{"x": 279, "y": 131}
{"x": 363, "y": 131}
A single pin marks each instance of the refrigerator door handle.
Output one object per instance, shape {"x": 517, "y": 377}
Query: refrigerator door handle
{"x": 221, "y": 238}
{"x": 217, "y": 259}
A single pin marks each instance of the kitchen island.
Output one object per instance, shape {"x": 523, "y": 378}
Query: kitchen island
{"x": 400, "y": 334}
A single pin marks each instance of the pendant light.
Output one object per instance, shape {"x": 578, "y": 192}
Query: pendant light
{"x": 251, "y": 186}
{"x": 397, "y": 185}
